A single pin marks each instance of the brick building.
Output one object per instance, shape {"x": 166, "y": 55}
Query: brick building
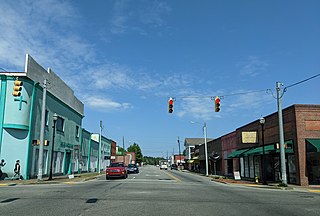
{"x": 301, "y": 125}
{"x": 242, "y": 149}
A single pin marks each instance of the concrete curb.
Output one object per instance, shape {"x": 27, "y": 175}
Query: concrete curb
{"x": 76, "y": 180}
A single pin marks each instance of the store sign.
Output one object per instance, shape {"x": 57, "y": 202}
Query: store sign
{"x": 250, "y": 137}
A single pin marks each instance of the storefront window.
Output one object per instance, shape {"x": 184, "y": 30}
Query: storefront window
{"x": 242, "y": 167}
{"x": 292, "y": 169}
{"x": 246, "y": 167}
{"x": 251, "y": 166}
{"x": 313, "y": 167}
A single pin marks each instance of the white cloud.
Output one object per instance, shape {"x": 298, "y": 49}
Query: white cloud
{"x": 252, "y": 66}
{"x": 110, "y": 75}
{"x": 198, "y": 108}
{"x": 106, "y": 104}
{"x": 48, "y": 35}
{"x": 147, "y": 14}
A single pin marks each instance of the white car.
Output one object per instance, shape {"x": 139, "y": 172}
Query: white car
{"x": 164, "y": 166}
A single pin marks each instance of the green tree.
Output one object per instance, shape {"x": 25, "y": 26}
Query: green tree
{"x": 137, "y": 150}
{"x": 121, "y": 151}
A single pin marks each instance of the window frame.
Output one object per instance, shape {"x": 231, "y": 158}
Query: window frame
{"x": 60, "y": 119}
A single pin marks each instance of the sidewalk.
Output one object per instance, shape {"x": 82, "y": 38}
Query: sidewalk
{"x": 312, "y": 188}
{"x": 221, "y": 179}
{"x": 55, "y": 180}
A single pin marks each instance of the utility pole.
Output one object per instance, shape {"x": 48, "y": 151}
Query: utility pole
{"x": 42, "y": 126}
{"x": 281, "y": 134}
{"x": 206, "y": 147}
{"x": 99, "y": 153}
{"x": 179, "y": 152}
{"x": 123, "y": 149}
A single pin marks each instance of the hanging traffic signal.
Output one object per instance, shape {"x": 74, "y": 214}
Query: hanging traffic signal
{"x": 17, "y": 88}
{"x": 217, "y": 104}
{"x": 170, "y": 104}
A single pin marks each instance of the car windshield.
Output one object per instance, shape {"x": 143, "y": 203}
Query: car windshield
{"x": 116, "y": 165}
{"x": 131, "y": 165}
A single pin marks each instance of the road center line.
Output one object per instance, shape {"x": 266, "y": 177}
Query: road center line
{"x": 171, "y": 176}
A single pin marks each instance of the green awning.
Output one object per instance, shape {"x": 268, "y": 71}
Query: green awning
{"x": 259, "y": 150}
{"x": 313, "y": 145}
{"x": 268, "y": 149}
{"x": 237, "y": 153}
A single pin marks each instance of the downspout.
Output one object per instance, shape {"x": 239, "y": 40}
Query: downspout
{"x": 2, "y": 105}
{"x": 80, "y": 150}
{"x": 30, "y": 129}
{"x": 89, "y": 154}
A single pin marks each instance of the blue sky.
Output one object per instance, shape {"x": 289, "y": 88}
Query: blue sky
{"x": 125, "y": 58}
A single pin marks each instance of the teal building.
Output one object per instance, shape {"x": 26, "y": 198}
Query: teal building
{"x": 20, "y": 124}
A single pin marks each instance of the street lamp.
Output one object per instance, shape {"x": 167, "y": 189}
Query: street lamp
{"x": 205, "y": 143}
{"x": 262, "y": 121}
{"x": 55, "y": 118}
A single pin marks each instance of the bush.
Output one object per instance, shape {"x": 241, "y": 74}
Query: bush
{"x": 282, "y": 185}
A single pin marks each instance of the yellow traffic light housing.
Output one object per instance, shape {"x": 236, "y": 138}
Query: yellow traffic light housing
{"x": 17, "y": 88}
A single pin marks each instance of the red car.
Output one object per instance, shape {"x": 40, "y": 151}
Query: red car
{"x": 116, "y": 170}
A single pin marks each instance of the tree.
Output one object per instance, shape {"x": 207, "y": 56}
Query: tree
{"x": 120, "y": 151}
{"x": 137, "y": 150}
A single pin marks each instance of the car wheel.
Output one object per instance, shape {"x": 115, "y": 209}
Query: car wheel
{"x": 107, "y": 178}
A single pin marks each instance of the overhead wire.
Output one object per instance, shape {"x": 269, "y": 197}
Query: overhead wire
{"x": 223, "y": 96}
{"x": 1, "y": 68}
{"x": 302, "y": 81}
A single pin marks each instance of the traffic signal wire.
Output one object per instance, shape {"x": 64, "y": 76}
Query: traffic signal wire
{"x": 1, "y": 68}
{"x": 250, "y": 92}
{"x": 223, "y": 96}
{"x": 302, "y": 81}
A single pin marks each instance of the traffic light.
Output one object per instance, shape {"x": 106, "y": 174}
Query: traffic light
{"x": 17, "y": 88}
{"x": 217, "y": 104}
{"x": 170, "y": 104}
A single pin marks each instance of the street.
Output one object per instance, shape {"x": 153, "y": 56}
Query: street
{"x": 154, "y": 192}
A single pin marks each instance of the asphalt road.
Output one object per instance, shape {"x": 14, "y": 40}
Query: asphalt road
{"x": 154, "y": 192}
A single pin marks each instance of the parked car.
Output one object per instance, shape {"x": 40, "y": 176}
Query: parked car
{"x": 132, "y": 168}
{"x": 174, "y": 166}
{"x": 116, "y": 170}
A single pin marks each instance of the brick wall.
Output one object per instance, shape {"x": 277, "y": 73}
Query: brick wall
{"x": 307, "y": 126}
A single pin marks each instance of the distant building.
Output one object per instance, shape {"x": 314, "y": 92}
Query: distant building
{"x": 127, "y": 158}
{"x": 191, "y": 145}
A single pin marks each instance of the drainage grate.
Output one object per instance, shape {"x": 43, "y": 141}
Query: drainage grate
{"x": 9, "y": 200}
{"x": 92, "y": 200}
{"x": 165, "y": 179}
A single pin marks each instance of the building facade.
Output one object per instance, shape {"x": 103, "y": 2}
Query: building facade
{"x": 21, "y": 105}
{"x": 243, "y": 150}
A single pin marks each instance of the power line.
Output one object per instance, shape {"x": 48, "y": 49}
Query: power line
{"x": 243, "y": 93}
{"x": 223, "y": 96}
{"x": 3, "y": 69}
{"x": 302, "y": 81}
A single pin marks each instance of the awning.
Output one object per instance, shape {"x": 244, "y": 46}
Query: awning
{"x": 268, "y": 149}
{"x": 259, "y": 150}
{"x": 236, "y": 153}
{"x": 313, "y": 145}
